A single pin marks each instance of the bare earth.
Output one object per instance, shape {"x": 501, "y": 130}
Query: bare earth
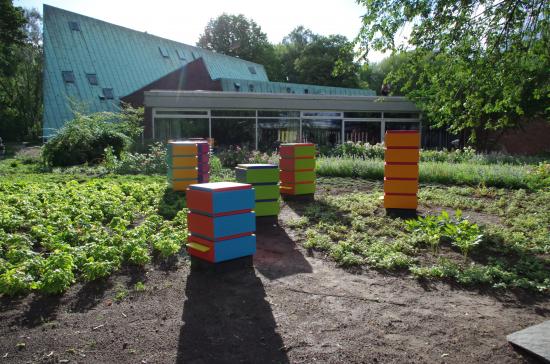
{"x": 291, "y": 307}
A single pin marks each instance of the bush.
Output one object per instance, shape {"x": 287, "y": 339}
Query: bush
{"x": 84, "y": 139}
{"x": 359, "y": 150}
{"x": 153, "y": 162}
{"x": 234, "y": 154}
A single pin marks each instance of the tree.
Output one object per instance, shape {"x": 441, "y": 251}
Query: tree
{"x": 315, "y": 59}
{"x": 237, "y": 36}
{"x": 11, "y": 36}
{"x": 479, "y": 66}
{"x": 374, "y": 75}
{"x": 21, "y": 87}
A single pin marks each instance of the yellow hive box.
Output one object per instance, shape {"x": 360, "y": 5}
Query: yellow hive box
{"x": 185, "y": 161}
{"x": 400, "y": 186}
{"x": 184, "y": 173}
{"x": 182, "y": 185}
{"x": 409, "y": 202}
{"x": 179, "y": 149}
{"x": 396, "y": 170}
{"x": 402, "y": 138}
{"x": 393, "y": 155}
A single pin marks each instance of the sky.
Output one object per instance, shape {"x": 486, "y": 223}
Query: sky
{"x": 184, "y": 21}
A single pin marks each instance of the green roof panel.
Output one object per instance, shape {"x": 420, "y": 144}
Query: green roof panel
{"x": 123, "y": 59}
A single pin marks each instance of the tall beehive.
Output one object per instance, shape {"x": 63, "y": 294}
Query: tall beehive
{"x": 401, "y": 158}
{"x": 297, "y": 168}
{"x": 221, "y": 221}
{"x": 265, "y": 180}
{"x": 187, "y": 163}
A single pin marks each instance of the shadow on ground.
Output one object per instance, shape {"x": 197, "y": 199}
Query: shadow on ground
{"x": 277, "y": 255}
{"x": 226, "y": 318}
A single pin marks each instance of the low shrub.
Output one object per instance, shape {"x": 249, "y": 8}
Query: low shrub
{"x": 152, "y": 162}
{"x": 84, "y": 139}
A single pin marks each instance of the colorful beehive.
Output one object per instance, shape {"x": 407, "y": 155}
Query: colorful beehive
{"x": 265, "y": 179}
{"x": 297, "y": 165}
{"x": 401, "y": 169}
{"x": 221, "y": 221}
{"x": 187, "y": 163}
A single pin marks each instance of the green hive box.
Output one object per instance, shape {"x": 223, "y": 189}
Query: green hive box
{"x": 265, "y": 179}
{"x": 297, "y": 150}
{"x": 267, "y": 208}
{"x": 257, "y": 173}
{"x": 267, "y": 192}
{"x": 291, "y": 164}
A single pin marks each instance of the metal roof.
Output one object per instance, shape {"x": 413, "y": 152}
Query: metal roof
{"x": 247, "y": 85}
{"x": 123, "y": 60}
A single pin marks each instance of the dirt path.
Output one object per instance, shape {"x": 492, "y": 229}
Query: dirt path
{"x": 290, "y": 307}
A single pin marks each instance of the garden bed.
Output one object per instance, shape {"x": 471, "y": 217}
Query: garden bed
{"x": 297, "y": 304}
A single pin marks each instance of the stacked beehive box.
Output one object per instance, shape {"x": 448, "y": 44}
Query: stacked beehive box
{"x": 187, "y": 163}
{"x": 401, "y": 169}
{"x": 265, "y": 180}
{"x": 221, "y": 222}
{"x": 297, "y": 165}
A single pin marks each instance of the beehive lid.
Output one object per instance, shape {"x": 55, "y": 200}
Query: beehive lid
{"x": 220, "y": 186}
{"x": 188, "y": 142}
{"x": 297, "y": 145}
{"x": 402, "y": 131}
{"x": 257, "y": 166}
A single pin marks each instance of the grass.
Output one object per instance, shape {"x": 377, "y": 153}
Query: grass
{"x": 491, "y": 175}
{"x": 354, "y": 230}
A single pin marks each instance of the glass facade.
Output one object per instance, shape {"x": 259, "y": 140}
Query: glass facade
{"x": 266, "y": 129}
{"x": 362, "y": 131}
{"x": 180, "y": 128}
{"x": 326, "y": 132}
{"x": 273, "y": 131}
{"x": 234, "y": 131}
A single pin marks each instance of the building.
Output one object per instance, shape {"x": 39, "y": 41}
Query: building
{"x": 91, "y": 65}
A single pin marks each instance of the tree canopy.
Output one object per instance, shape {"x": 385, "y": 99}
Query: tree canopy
{"x": 479, "y": 66}
{"x": 21, "y": 80}
{"x": 315, "y": 59}
{"x": 237, "y": 36}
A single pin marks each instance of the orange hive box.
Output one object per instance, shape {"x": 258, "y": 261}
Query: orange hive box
{"x": 401, "y": 157}
{"x": 400, "y": 201}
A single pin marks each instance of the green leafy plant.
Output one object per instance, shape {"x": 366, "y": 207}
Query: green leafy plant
{"x": 464, "y": 234}
{"x": 84, "y": 139}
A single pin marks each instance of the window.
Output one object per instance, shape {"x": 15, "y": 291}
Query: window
{"x": 362, "y": 114}
{"x": 401, "y": 115}
{"x": 362, "y": 131}
{"x": 233, "y": 113}
{"x": 306, "y": 91}
{"x": 164, "y": 52}
{"x": 92, "y": 78}
{"x": 180, "y": 112}
{"x": 324, "y": 132}
{"x": 68, "y": 76}
{"x": 252, "y": 70}
{"x": 74, "y": 26}
{"x": 237, "y": 86}
{"x": 321, "y": 113}
{"x": 273, "y": 131}
{"x": 181, "y": 54}
{"x": 251, "y": 88}
{"x": 278, "y": 113}
{"x": 108, "y": 94}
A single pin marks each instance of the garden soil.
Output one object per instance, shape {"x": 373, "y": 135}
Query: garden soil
{"x": 291, "y": 306}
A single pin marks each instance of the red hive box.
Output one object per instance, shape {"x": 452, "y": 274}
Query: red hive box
{"x": 297, "y": 168}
